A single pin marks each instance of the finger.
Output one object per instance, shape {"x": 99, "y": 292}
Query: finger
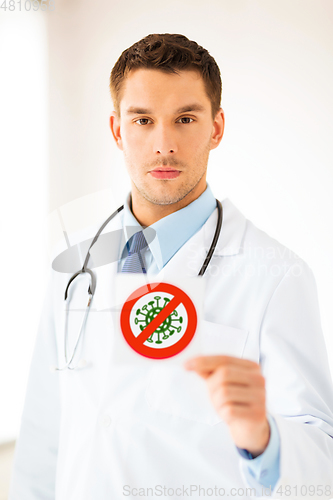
{"x": 248, "y": 412}
{"x": 231, "y": 394}
{"x": 238, "y": 376}
{"x": 209, "y": 364}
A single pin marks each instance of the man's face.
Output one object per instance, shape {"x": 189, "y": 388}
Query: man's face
{"x": 166, "y": 132}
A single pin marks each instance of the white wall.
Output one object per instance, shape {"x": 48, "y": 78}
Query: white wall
{"x": 23, "y": 203}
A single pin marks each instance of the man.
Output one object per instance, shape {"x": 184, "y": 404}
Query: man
{"x": 256, "y": 411}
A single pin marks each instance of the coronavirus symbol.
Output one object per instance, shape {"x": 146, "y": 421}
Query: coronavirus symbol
{"x": 158, "y": 321}
{"x": 167, "y": 327}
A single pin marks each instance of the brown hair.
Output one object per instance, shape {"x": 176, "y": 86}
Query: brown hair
{"x": 170, "y": 53}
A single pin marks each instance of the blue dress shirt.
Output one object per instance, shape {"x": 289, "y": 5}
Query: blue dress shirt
{"x": 264, "y": 468}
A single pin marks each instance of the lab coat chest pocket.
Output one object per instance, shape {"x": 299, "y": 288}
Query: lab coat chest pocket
{"x": 172, "y": 389}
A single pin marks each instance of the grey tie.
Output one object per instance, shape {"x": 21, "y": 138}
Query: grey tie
{"x": 134, "y": 262}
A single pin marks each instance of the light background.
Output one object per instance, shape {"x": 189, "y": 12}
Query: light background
{"x": 274, "y": 163}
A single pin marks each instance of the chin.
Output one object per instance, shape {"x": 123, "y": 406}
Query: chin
{"x": 164, "y": 196}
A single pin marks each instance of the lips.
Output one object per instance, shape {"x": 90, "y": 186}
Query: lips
{"x": 164, "y": 169}
{"x": 164, "y": 173}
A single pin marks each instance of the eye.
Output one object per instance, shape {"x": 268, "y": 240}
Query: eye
{"x": 143, "y": 121}
{"x": 185, "y": 119}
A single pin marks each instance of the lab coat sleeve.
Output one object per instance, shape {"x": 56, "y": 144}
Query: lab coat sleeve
{"x": 34, "y": 467}
{"x": 299, "y": 391}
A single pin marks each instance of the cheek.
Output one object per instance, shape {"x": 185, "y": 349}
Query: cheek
{"x": 199, "y": 141}
{"x": 132, "y": 141}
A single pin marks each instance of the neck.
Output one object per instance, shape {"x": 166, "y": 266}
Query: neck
{"x": 146, "y": 212}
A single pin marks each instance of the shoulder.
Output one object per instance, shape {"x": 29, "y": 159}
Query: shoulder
{"x": 258, "y": 244}
{"x": 254, "y": 246}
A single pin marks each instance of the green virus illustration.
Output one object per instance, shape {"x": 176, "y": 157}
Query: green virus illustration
{"x": 167, "y": 328}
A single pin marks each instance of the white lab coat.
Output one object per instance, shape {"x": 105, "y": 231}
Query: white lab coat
{"x": 90, "y": 433}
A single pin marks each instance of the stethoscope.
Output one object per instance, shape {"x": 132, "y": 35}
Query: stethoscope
{"x": 92, "y": 284}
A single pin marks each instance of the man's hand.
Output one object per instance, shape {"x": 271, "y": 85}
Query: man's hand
{"x": 237, "y": 391}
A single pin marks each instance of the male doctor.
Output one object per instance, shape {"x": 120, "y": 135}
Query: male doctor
{"x": 254, "y": 417}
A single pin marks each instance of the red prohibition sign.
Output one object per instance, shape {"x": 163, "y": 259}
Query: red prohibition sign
{"x": 137, "y": 343}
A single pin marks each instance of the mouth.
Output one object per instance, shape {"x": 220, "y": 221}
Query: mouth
{"x": 164, "y": 173}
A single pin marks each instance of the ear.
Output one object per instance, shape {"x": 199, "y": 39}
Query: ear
{"x": 115, "y": 129}
{"x": 218, "y": 129}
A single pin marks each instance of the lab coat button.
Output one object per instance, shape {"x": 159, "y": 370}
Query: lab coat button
{"x": 105, "y": 421}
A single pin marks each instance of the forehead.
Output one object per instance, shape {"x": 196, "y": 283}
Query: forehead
{"x": 156, "y": 89}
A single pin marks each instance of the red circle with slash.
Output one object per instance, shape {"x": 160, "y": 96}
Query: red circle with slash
{"x": 137, "y": 343}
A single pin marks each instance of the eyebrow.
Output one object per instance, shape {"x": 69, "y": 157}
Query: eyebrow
{"x": 184, "y": 109}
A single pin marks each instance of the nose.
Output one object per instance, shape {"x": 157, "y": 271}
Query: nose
{"x": 164, "y": 141}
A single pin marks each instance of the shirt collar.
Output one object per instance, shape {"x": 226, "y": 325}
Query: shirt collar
{"x": 172, "y": 231}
